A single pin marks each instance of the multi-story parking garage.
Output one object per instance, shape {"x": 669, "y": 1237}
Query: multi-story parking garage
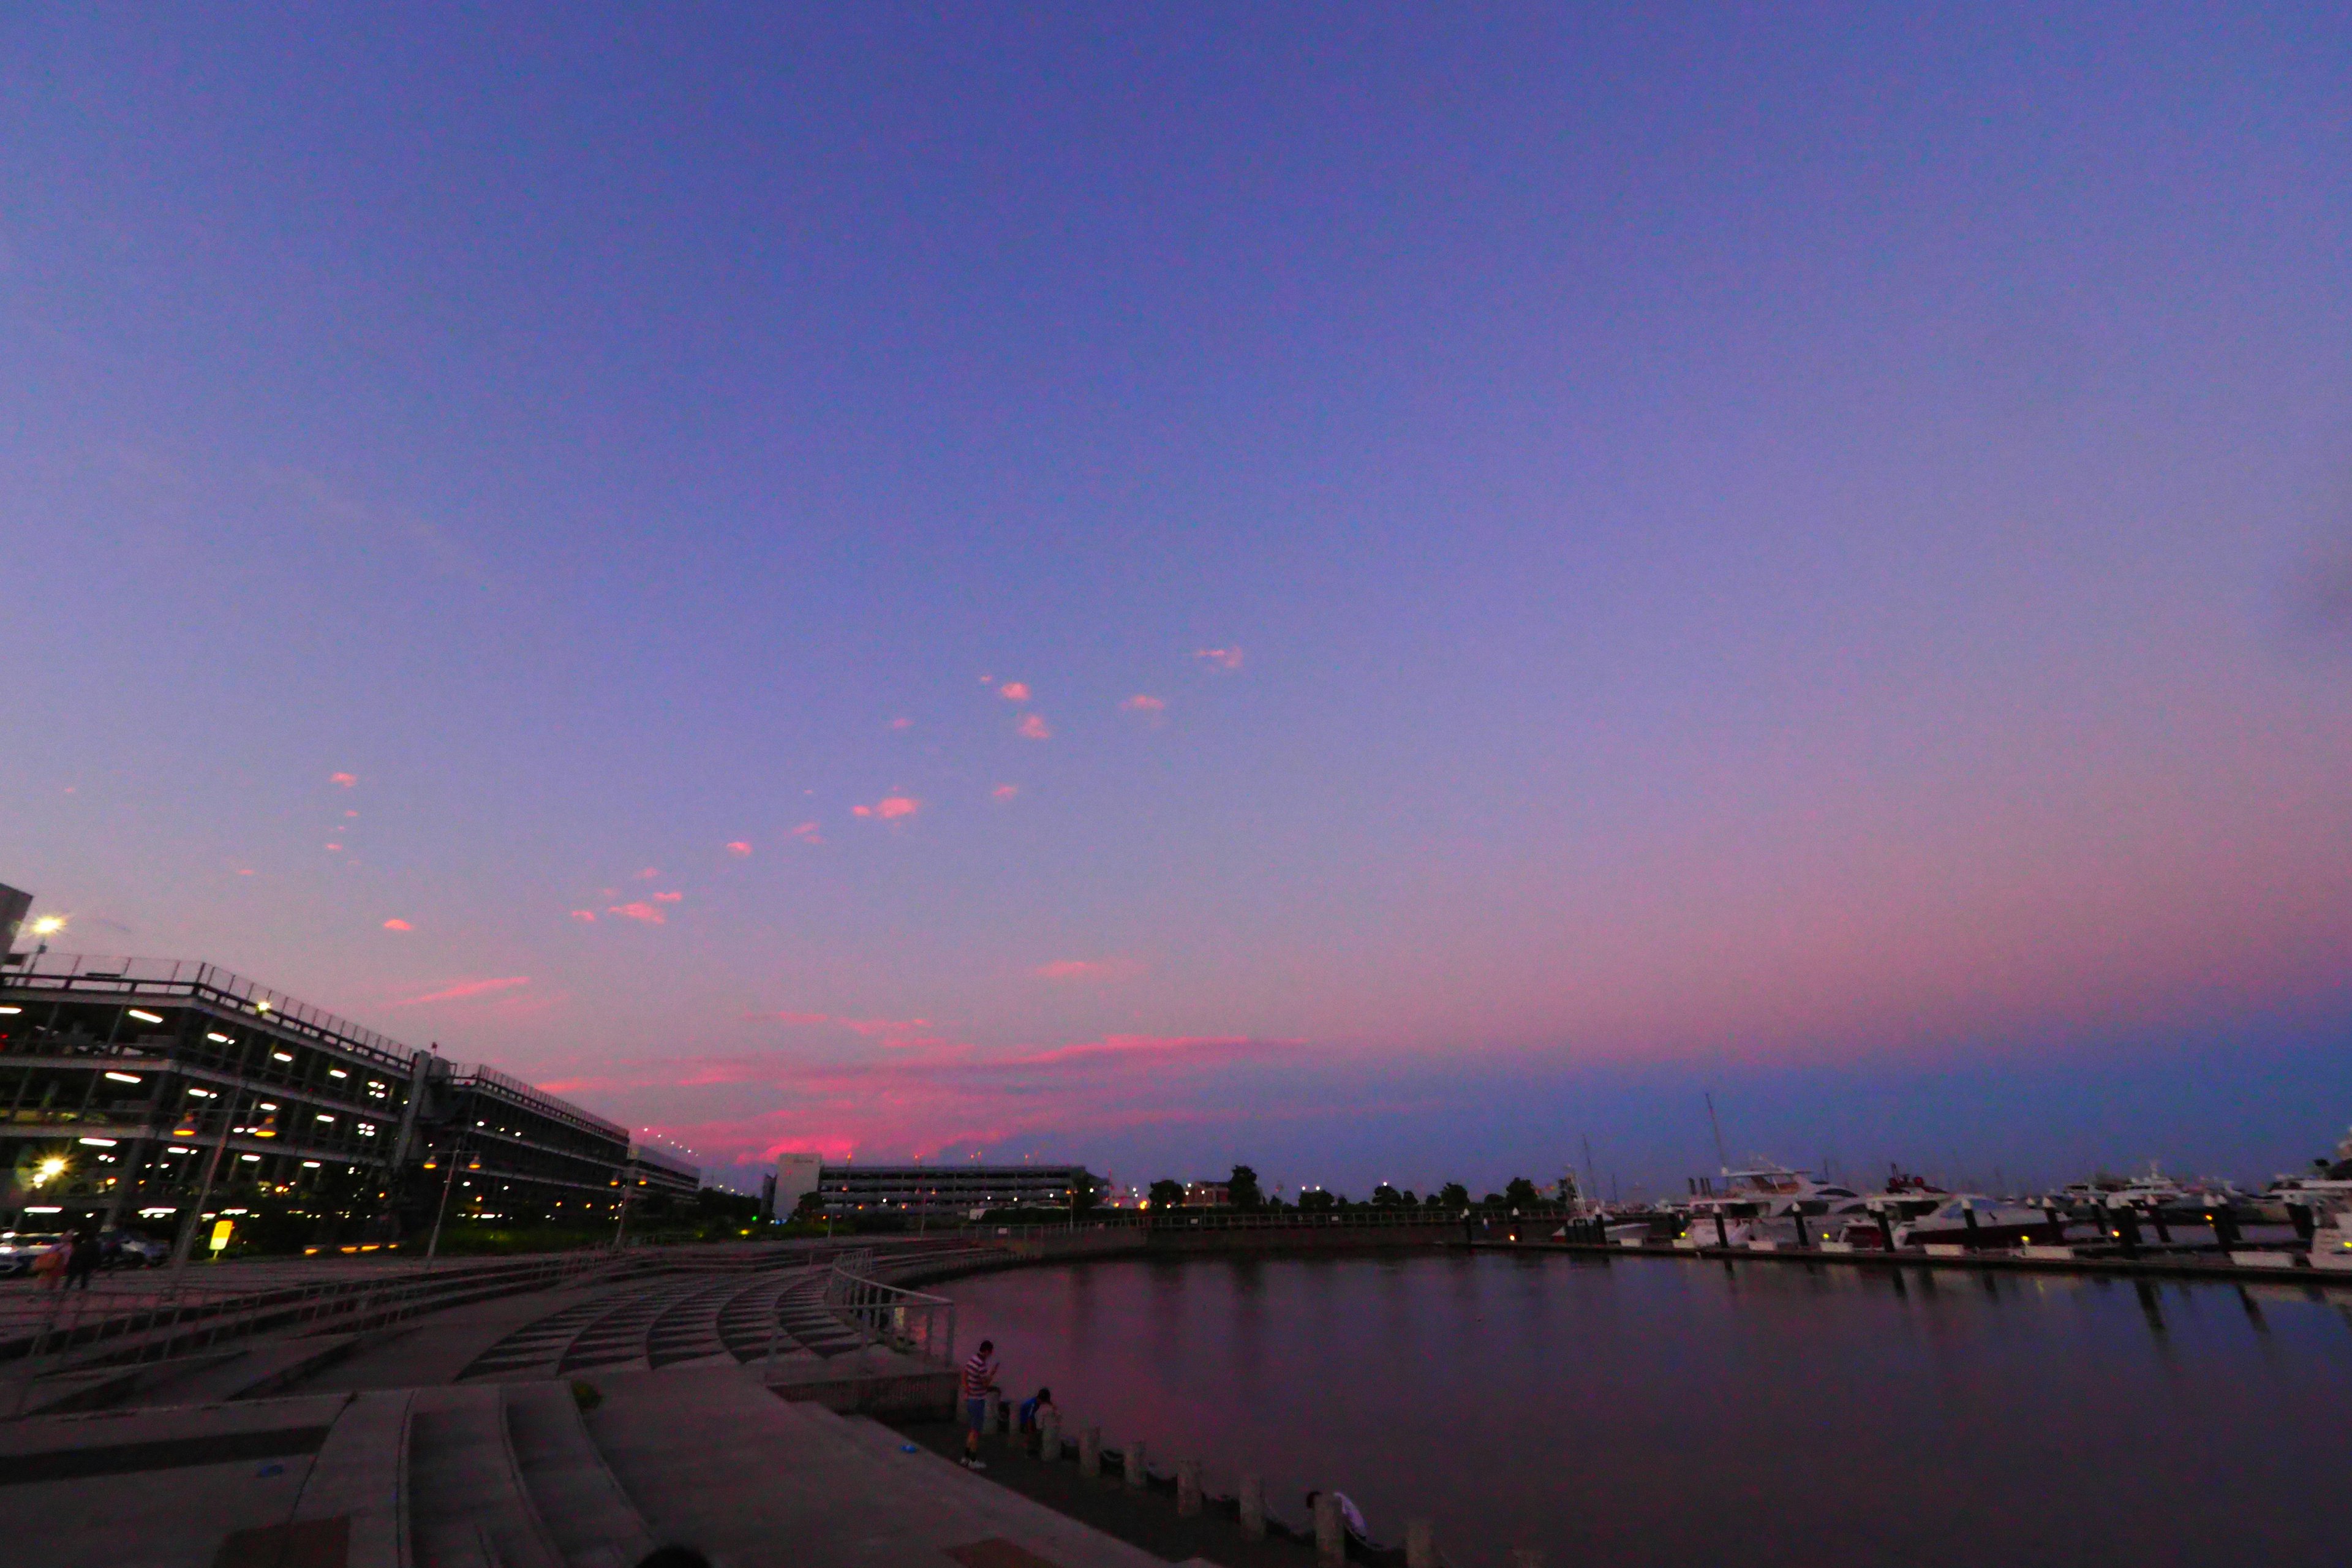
{"x": 147, "y": 1089}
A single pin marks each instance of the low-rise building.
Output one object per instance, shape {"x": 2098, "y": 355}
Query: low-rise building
{"x": 956, "y": 1190}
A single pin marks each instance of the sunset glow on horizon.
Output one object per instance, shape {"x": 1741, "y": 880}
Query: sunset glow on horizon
{"x": 1803, "y": 555}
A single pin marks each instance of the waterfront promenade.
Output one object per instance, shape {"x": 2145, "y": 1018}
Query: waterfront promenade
{"x": 710, "y": 1398}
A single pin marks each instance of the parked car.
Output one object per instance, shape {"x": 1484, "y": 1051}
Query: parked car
{"x": 129, "y": 1249}
{"x": 19, "y": 1247}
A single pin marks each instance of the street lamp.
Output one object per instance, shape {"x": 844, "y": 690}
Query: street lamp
{"x": 472, "y": 1162}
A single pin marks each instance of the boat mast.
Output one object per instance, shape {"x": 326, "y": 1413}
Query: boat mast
{"x": 1721, "y": 1158}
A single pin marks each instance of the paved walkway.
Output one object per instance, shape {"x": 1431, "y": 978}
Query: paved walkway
{"x": 711, "y": 1457}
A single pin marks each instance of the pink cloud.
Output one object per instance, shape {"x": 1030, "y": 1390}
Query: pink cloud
{"x": 1005, "y": 792}
{"x": 668, "y": 898}
{"x": 807, "y": 834}
{"x": 640, "y": 911}
{"x": 868, "y": 1027}
{"x": 902, "y": 723}
{"x": 1088, "y": 969}
{"x": 585, "y": 917}
{"x": 739, "y": 847}
{"x": 351, "y": 814}
{"x": 1223, "y": 658}
{"x": 334, "y": 847}
{"x": 1141, "y": 704}
{"x": 953, "y": 1094}
{"x": 346, "y": 780}
{"x": 1014, "y": 691}
{"x": 398, "y": 925}
{"x": 464, "y": 989}
{"x": 246, "y": 872}
{"x": 888, "y": 807}
{"x": 1032, "y": 727}
{"x": 648, "y": 874}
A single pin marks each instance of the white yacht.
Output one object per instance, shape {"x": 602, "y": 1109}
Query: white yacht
{"x": 1761, "y": 1208}
{"x": 1974, "y": 1222}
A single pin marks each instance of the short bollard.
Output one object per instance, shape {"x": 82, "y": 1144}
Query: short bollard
{"x": 1253, "y": 1507}
{"x": 1049, "y": 1435}
{"x": 999, "y": 1415}
{"x": 1188, "y": 1487}
{"x": 1331, "y": 1540}
{"x": 1420, "y": 1543}
{"x": 1135, "y": 1462}
{"x": 1526, "y": 1557}
{"x": 1090, "y": 1452}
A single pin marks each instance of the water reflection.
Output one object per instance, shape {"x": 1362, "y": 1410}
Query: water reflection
{"x": 1643, "y": 1411}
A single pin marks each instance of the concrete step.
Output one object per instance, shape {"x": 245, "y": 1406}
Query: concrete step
{"x": 465, "y": 1492}
{"x": 361, "y": 1474}
{"x": 592, "y": 1520}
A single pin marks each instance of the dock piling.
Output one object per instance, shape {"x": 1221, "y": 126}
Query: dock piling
{"x": 1420, "y": 1543}
{"x": 1253, "y": 1507}
{"x": 1134, "y": 1465}
{"x": 1188, "y": 1487}
{"x": 1331, "y": 1540}
{"x": 1090, "y": 1452}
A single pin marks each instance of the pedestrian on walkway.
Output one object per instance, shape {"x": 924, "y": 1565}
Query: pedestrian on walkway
{"x": 50, "y": 1265}
{"x": 979, "y": 1383}
{"x": 82, "y": 1261}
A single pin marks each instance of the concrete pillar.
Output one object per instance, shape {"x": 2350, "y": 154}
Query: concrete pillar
{"x": 1188, "y": 1487}
{"x": 1331, "y": 1539}
{"x": 1090, "y": 1451}
{"x": 999, "y": 1415}
{"x": 1135, "y": 1461}
{"x": 1049, "y": 1435}
{"x": 1253, "y": 1507}
{"x": 1420, "y": 1543}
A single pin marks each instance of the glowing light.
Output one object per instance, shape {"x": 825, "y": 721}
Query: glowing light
{"x": 217, "y": 1038}
{"x": 125, "y": 1077}
{"x": 281, "y": 1055}
{"x": 47, "y": 925}
{"x": 97, "y": 1142}
{"x": 145, "y": 1018}
{"x": 337, "y": 1072}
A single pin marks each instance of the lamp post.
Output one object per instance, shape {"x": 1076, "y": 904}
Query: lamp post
{"x": 448, "y": 1184}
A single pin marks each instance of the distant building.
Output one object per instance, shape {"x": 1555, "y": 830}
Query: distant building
{"x": 661, "y": 1172}
{"x": 796, "y": 1177}
{"x": 935, "y": 1189}
{"x": 1208, "y": 1194}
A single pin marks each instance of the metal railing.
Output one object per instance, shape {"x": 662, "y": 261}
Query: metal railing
{"x": 891, "y": 1317}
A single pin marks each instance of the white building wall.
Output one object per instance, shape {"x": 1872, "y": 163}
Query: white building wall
{"x": 796, "y": 1175}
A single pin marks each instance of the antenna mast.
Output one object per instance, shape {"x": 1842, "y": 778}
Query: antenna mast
{"x": 1721, "y": 1158}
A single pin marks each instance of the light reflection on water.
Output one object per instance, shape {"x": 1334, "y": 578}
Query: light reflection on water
{"x": 1651, "y": 1411}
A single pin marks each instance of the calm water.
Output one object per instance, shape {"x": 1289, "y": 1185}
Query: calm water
{"x": 1641, "y": 1411}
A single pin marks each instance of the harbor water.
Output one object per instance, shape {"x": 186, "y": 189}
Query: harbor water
{"x": 1648, "y": 1411}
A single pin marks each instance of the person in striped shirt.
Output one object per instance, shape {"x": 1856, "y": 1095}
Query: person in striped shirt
{"x": 979, "y": 1383}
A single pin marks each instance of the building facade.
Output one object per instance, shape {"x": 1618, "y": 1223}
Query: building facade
{"x": 945, "y": 1189}
{"x": 154, "y": 1091}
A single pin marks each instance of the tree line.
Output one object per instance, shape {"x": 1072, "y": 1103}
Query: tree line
{"x": 1243, "y": 1193}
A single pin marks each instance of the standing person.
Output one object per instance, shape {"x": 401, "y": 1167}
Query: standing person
{"x": 979, "y": 1383}
{"x": 49, "y": 1268}
{"x": 82, "y": 1261}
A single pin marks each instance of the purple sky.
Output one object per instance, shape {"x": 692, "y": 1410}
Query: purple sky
{"x": 1549, "y": 560}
